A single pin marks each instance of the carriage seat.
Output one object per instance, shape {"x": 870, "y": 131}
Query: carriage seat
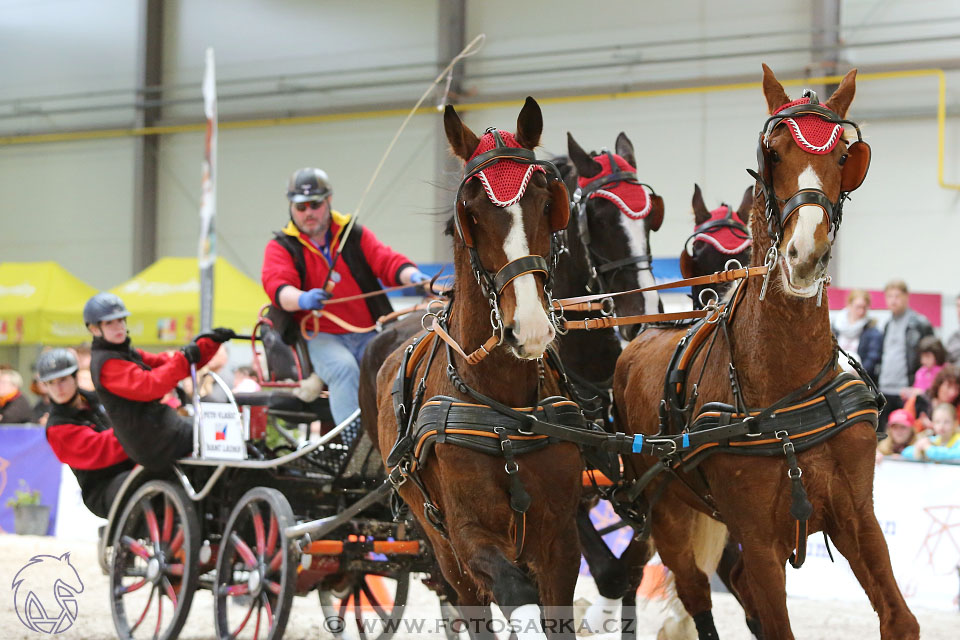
{"x": 286, "y": 406}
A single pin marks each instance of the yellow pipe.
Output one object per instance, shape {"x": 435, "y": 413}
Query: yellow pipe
{"x": 479, "y": 106}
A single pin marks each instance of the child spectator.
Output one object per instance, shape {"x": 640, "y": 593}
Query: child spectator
{"x": 932, "y": 357}
{"x": 945, "y": 388}
{"x": 944, "y": 445}
{"x": 900, "y": 435}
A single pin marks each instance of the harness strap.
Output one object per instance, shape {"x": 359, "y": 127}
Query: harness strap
{"x": 519, "y": 498}
{"x": 570, "y": 304}
{"x": 800, "y": 507}
{"x": 516, "y": 268}
{"x": 643, "y": 260}
{"x": 482, "y": 351}
{"x": 590, "y": 324}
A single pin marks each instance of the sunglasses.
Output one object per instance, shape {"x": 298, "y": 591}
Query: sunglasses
{"x": 313, "y": 204}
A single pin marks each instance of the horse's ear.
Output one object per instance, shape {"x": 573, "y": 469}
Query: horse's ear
{"x": 624, "y": 149}
{"x": 743, "y": 212}
{"x": 586, "y": 166}
{"x": 529, "y": 124}
{"x": 773, "y": 91}
{"x": 700, "y": 212}
{"x": 462, "y": 140}
{"x": 840, "y": 101}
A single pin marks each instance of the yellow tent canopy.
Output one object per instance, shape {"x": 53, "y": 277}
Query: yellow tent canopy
{"x": 41, "y": 303}
{"x": 164, "y": 301}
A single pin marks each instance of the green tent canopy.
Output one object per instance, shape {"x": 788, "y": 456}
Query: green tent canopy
{"x": 164, "y": 301}
{"x": 41, "y": 303}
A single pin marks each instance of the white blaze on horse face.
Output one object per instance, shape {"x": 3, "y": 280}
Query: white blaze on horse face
{"x": 636, "y": 231}
{"x": 803, "y": 239}
{"x": 531, "y": 326}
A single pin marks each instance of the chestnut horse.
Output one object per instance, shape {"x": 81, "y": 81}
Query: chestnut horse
{"x": 719, "y": 235}
{"x": 464, "y": 499}
{"x": 778, "y": 338}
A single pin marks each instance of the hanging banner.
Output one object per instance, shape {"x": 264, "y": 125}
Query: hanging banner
{"x": 207, "y": 253}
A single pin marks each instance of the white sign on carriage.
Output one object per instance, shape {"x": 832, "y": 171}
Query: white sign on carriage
{"x": 221, "y": 432}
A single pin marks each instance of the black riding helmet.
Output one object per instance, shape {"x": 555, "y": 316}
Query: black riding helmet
{"x": 56, "y": 363}
{"x": 308, "y": 184}
{"x": 102, "y": 307}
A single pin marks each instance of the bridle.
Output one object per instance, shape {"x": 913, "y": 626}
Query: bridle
{"x": 855, "y": 163}
{"x": 493, "y": 284}
{"x": 729, "y": 221}
{"x": 597, "y": 264}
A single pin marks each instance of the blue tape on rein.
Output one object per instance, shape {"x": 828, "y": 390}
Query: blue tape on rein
{"x": 686, "y": 441}
{"x": 638, "y": 443}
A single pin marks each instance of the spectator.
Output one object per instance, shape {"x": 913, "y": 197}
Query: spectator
{"x": 945, "y": 388}
{"x": 245, "y": 380}
{"x": 14, "y": 406}
{"x": 901, "y": 337}
{"x": 953, "y": 342}
{"x": 857, "y": 333}
{"x": 944, "y": 445}
{"x": 932, "y": 357}
{"x": 41, "y": 409}
{"x": 900, "y": 435}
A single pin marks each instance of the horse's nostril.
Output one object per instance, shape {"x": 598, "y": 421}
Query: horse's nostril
{"x": 792, "y": 253}
{"x": 509, "y": 335}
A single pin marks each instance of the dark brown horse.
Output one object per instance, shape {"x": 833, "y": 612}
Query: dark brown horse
{"x": 719, "y": 235}
{"x": 781, "y": 347}
{"x": 471, "y": 519}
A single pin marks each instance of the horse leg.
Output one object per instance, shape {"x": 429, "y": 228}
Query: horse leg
{"x": 861, "y": 542}
{"x": 765, "y": 575}
{"x": 608, "y": 572}
{"x": 690, "y": 545}
{"x": 634, "y": 558}
{"x": 740, "y": 587}
{"x": 729, "y": 571}
{"x": 555, "y": 561}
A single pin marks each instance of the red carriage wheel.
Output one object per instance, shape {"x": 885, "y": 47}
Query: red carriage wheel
{"x": 256, "y": 568}
{"x": 154, "y": 573}
{"x": 369, "y": 605}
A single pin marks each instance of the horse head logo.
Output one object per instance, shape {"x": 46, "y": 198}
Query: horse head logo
{"x": 45, "y": 593}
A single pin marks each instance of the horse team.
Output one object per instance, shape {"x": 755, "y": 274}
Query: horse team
{"x": 470, "y": 404}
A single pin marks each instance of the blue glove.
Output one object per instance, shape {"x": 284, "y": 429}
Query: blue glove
{"x": 313, "y": 299}
{"x": 418, "y": 276}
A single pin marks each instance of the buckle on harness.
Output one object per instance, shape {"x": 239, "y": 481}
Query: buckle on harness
{"x": 397, "y": 479}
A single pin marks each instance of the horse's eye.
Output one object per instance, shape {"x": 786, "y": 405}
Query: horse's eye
{"x": 843, "y": 159}
{"x": 774, "y": 156}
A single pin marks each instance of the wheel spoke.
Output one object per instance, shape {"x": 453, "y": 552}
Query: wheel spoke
{"x": 170, "y": 592}
{"x": 177, "y": 541}
{"x": 234, "y": 590}
{"x": 258, "y": 528}
{"x": 253, "y": 603}
{"x": 244, "y": 551}
{"x": 130, "y": 588}
{"x": 275, "y": 561}
{"x": 342, "y": 613}
{"x": 156, "y": 632}
{"x": 367, "y": 591}
{"x": 174, "y": 570}
{"x": 273, "y": 586}
{"x": 272, "y": 534}
{"x": 256, "y": 629}
{"x": 151, "y": 518}
{"x": 135, "y": 547}
{"x": 266, "y": 601}
{"x": 167, "y": 520}
{"x": 146, "y": 608}
{"x": 358, "y": 612}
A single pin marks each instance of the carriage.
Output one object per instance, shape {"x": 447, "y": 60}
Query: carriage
{"x": 256, "y": 521}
